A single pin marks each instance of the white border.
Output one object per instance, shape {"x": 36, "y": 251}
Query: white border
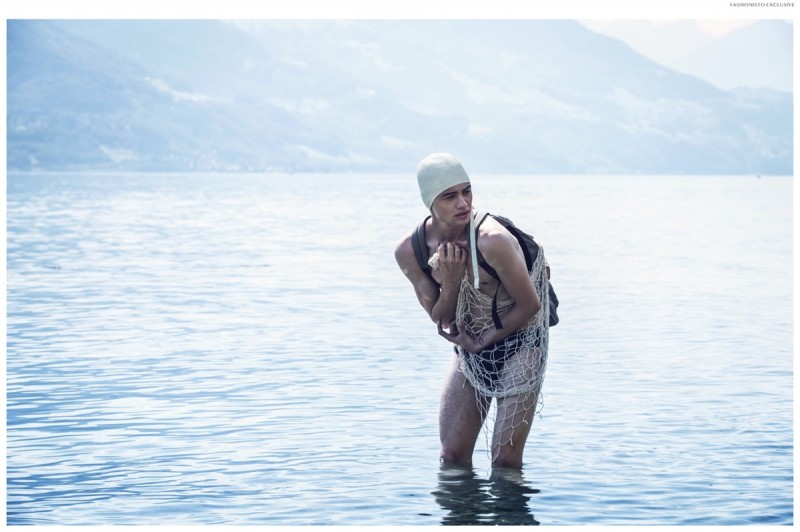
{"x": 388, "y": 9}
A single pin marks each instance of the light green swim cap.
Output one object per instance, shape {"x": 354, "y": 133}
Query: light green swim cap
{"x": 436, "y": 173}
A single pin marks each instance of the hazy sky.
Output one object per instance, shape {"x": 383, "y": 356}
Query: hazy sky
{"x": 665, "y": 37}
{"x": 668, "y": 41}
{"x": 714, "y": 28}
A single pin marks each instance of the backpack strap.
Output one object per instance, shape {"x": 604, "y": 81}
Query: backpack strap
{"x": 480, "y": 216}
{"x": 420, "y": 245}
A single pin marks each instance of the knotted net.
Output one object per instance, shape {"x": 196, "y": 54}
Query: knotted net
{"x": 511, "y": 371}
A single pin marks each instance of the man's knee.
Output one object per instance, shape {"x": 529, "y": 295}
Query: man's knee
{"x": 508, "y": 456}
{"x": 455, "y": 455}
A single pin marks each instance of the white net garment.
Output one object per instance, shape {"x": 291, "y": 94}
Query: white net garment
{"x": 512, "y": 371}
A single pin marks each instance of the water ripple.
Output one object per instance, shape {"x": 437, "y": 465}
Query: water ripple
{"x": 178, "y": 352}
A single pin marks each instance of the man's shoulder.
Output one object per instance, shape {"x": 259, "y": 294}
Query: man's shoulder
{"x": 492, "y": 230}
{"x": 494, "y": 238}
{"x": 404, "y": 249}
{"x": 406, "y": 242}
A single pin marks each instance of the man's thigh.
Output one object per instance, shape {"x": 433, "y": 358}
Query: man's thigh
{"x": 513, "y": 422}
{"x": 523, "y": 373}
{"x": 461, "y": 413}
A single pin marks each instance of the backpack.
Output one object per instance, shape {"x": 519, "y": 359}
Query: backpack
{"x": 529, "y": 248}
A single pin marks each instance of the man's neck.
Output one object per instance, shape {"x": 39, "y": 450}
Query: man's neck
{"x": 447, "y": 232}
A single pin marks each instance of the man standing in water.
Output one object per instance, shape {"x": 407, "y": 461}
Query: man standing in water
{"x": 491, "y": 313}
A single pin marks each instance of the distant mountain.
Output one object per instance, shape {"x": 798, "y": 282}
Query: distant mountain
{"x": 73, "y": 104}
{"x": 506, "y": 96}
{"x": 663, "y": 41}
{"x": 756, "y": 56}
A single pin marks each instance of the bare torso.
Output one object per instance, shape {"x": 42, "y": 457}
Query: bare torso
{"x": 489, "y": 285}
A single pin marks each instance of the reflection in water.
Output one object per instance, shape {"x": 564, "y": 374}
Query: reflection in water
{"x": 469, "y": 500}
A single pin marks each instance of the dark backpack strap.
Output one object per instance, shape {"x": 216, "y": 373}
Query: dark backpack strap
{"x": 420, "y": 245}
{"x": 498, "y": 323}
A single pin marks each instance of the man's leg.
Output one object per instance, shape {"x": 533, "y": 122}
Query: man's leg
{"x": 513, "y": 424}
{"x": 461, "y": 415}
{"x": 515, "y": 412}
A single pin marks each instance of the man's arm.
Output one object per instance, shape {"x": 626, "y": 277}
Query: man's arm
{"x": 439, "y": 303}
{"x": 501, "y": 250}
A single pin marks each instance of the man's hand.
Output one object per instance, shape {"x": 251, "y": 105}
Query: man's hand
{"x": 461, "y": 339}
{"x": 452, "y": 261}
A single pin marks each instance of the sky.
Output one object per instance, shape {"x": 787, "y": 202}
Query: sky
{"x": 666, "y": 41}
{"x": 714, "y": 28}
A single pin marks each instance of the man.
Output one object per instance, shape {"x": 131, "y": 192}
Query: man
{"x": 505, "y": 362}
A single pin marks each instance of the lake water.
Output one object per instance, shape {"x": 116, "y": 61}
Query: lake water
{"x": 242, "y": 349}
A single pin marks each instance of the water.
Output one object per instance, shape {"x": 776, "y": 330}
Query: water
{"x": 218, "y": 349}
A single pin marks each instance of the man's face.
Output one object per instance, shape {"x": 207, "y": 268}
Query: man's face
{"x": 454, "y": 205}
